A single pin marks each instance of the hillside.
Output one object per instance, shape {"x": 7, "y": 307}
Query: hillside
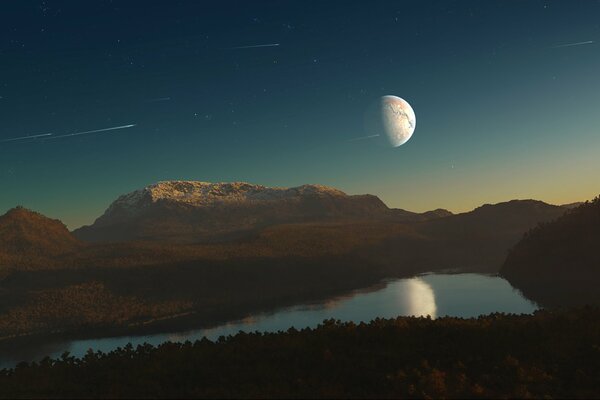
{"x": 558, "y": 263}
{"x": 477, "y": 240}
{"x": 28, "y": 238}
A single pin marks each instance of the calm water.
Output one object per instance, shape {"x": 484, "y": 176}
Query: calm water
{"x": 459, "y": 295}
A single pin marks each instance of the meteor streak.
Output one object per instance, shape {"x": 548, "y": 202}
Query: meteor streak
{"x": 26, "y": 137}
{"x": 94, "y": 131}
{"x": 255, "y": 46}
{"x": 362, "y": 138}
{"x": 572, "y": 44}
{"x": 158, "y": 99}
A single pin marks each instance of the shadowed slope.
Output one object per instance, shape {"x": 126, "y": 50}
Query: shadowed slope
{"x": 477, "y": 240}
{"x": 558, "y": 263}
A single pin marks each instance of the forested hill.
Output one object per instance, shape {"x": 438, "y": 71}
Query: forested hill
{"x": 546, "y": 355}
{"x": 558, "y": 263}
{"x": 30, "y": 239}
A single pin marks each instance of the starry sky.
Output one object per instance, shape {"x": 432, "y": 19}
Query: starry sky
{"x": 506, "y": 107}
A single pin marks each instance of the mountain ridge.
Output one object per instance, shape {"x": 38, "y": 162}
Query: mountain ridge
{"x": 286, "y": 262}
{"x": 191, "y": 211}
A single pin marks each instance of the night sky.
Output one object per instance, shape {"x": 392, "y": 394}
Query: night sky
{"x": 506, "y": 107}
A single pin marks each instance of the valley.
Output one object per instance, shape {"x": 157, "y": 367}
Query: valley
{"x": 54, "y": 282}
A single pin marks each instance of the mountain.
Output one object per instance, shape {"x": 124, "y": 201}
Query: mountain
{"x": 186, "y": 211}
{"x": 350, "y": 242}
{"x": 399, "y": 215}
{"x": 476, "y": 240}
{"x": 27, "y": 234}
{"x": 435, "y": 214}
{"x": 510, "y": 217}
{"x": 558, "y": 263}
{"x": 572, "y": 205}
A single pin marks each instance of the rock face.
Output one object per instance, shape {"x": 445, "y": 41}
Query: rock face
{"x": 27, "y": 233}
{"x": 185, "y": 211}
{"x": 558, "y": 263}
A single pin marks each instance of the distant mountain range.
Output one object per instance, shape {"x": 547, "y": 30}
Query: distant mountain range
{"x": 477, "y": 240}
{"x": 295, "y": 221}
{"x": 188, "y": 212}
{"x": 211, "y": 251}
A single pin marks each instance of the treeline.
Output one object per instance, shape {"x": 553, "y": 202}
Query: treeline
{"x": 549, "y": 354}
{"x": 119, "y": 299}
{"x": 89, "y": 305}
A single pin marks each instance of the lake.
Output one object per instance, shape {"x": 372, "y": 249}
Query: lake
{"x": 437, "y": 295}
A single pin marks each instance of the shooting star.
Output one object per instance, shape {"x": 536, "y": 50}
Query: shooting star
{"x": 255, "y": 46}
{"x": 363, "y": 138}
{"x": 26, "y": 137}
{"x": 572, "y": 44}
{"x": 158, "y": 99}
{"x": 94, "y": 131}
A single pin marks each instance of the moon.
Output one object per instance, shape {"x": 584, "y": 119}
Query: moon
{"x": 393, "y": 120}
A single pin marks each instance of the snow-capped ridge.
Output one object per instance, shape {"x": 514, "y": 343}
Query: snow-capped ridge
{"x": 205, "y": 193}
{"x": 189, "y": 211}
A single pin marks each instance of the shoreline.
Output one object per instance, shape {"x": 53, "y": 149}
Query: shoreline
{"x": 180, "y": 322}
{"x": 183, "y": 322}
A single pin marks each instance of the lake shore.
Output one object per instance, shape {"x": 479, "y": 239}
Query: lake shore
{"x": 423, "y": 294}
{"x": 549, "y": 353}
{"x": 187, "y": 321}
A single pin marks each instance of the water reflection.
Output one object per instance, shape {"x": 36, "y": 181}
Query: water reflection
{"x": 416, "y": 297}
{"x": 460, "y": 295}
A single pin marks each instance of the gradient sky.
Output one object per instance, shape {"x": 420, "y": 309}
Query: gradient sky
{"x": 502, "y": 111}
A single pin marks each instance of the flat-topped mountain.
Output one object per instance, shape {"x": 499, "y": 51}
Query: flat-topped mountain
{"x": 206, "y": 193}
{"x": 212, "y": 195}
{"x": 186, "y": 211}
